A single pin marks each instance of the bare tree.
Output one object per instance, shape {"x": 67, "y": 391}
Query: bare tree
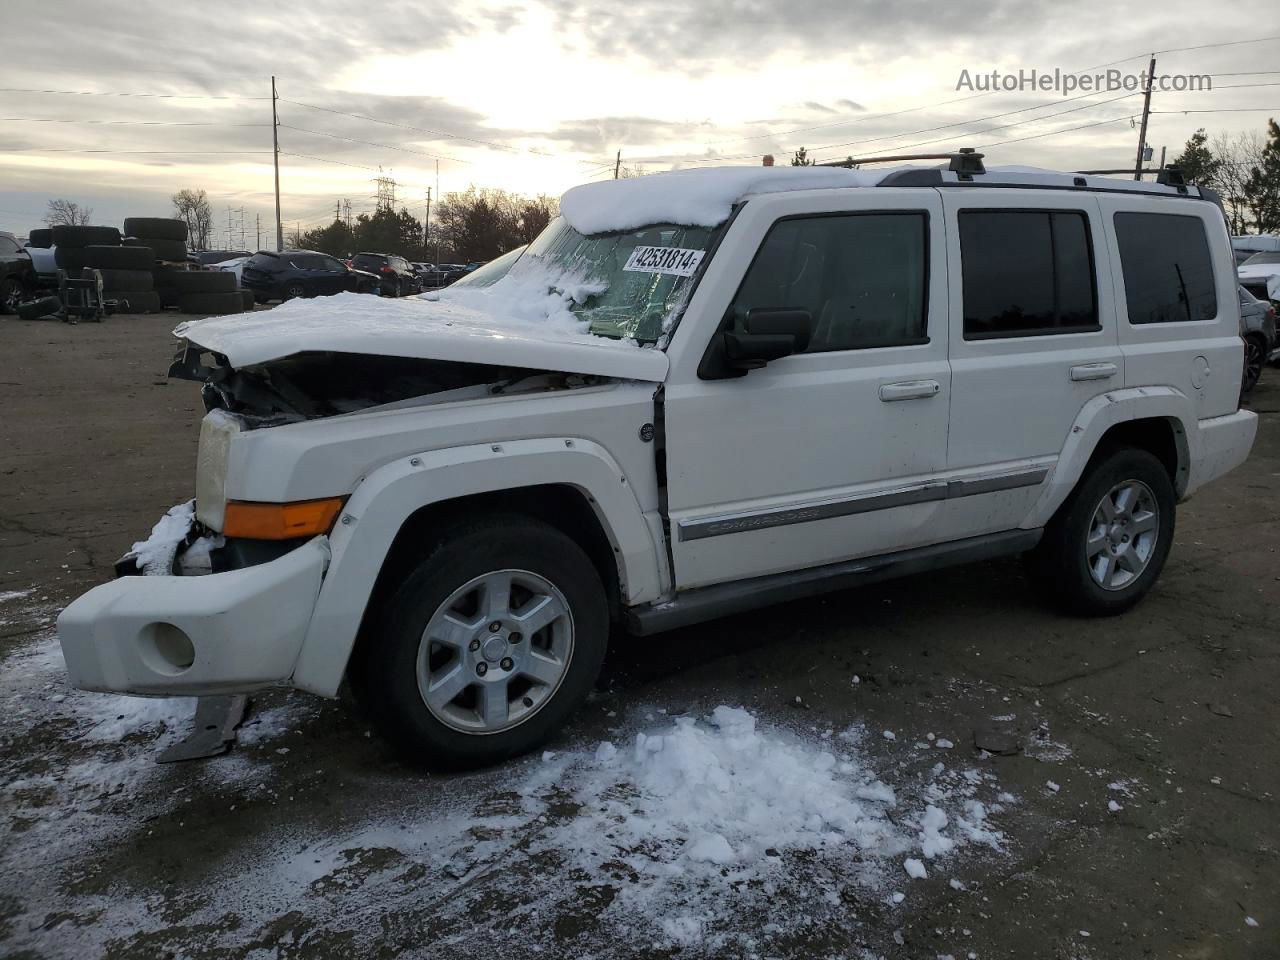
{"x": 1238, "y": 156}
{"x": 193, "y": 207}
{"x": 67, "y": 213}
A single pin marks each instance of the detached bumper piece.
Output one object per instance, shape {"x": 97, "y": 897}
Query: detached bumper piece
{"x": 194, "y": 636}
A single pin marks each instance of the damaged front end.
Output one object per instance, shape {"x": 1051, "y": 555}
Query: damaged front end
{"x": 314, "y": 385}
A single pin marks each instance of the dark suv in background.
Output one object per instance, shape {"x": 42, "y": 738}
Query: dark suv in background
{"x": 397, "y": 275}
{"x": 17, "y": 275}
{"x": 302, "y": 273}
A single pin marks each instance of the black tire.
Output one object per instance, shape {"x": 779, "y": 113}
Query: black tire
{"x": 70, "y": 259}
{"x": 11, "y": 294}
{"x": 119, "y": 258}
{"x": 200, "y": 281}
{"x": 212, "y": 304}
{"x": 294, "y": 289}
{"x": 247, "y": 298}
{"x": 40, "y": 237}
{"x": 66, "y": 236}
{"x": 1255, "y": 358}
{"x": 35, "y": 309}
{"x": 135, "y": 301}
{"x": 384, "y": 671}
{"x": 137, "y": 280}
{"x": 162, "y": 228}
{"x": 168, "y": 296}
{"x": 1061, "y": 561}
{"x": 170, "y": 250}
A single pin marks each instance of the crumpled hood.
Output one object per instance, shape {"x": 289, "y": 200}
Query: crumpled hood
{"x": 421, "y": 329}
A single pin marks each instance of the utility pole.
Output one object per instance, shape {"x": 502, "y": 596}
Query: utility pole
{"x": 337, "y": 210}
{"x": 1146, "y": 112}
{"x": 437, "y": 194}
{"x": 257, "y": 225}
{"x": 426, "y": 224}
{"x": 275, "y": 146}
{"x": 617, "y": 165}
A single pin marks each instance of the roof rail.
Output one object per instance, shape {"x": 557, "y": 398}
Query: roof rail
{"x": 1169, "y": 175}
{"x": 964, "y": 162}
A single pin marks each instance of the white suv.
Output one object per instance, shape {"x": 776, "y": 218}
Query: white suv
{"x": 695, "y": 394}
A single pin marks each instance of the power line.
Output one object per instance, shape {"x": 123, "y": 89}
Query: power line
{"x": 372, "y": 143}
{"x": 115, "y": 93}
{"x": 1225, "y": 110}
{"x": 1054, "y": 133}
{"x": 1207, "y": 46}
{"x": 145, "y": 123}
{"x": 166, "y": 153}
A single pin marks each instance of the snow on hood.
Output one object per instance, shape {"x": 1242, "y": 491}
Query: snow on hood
{"x": 694, "y": 198}
{"x": 517, "y": 323}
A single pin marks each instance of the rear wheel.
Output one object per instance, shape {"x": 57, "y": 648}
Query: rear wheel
{"x": 1107, "y": 544}
{"x": 1255, "y": 357}
{"x": 294, "y": 290}
{"x": 487, "y": 647}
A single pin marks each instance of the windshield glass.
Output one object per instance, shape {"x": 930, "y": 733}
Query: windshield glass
{"x": 1262, "y": 258}
{"x": 624, "y": 285}
{"x": 493, "y": 271}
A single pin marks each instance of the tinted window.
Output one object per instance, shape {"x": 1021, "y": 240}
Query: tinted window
{"x": 862, "y": 277}
{"x": 264, "y": 261}
{"x": 1168, "y": 273}
{"x": 329, "y": 263}
{"x": 8, "y": 245}
{"x": 364, "y": 261}
{"x": 1026, "y": 272}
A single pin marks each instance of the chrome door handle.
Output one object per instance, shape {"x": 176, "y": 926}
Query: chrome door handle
{"x": 909, "y": 390}
{"x": 1094, "y": 371}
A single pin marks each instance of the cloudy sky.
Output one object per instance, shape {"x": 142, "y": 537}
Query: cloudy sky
{"x": 157, "y": 95}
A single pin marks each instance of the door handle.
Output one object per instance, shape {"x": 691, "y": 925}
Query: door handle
{"x": 909, "y": 390}
{"x": 1094, "y": 371}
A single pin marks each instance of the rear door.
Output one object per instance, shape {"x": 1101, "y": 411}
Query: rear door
{"x": 1176, "y": 284}
{"x": 1033, "y": 339}
{"x": 832, "y": 453}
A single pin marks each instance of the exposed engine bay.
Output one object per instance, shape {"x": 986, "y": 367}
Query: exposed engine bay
{"x": 314, "y": 385}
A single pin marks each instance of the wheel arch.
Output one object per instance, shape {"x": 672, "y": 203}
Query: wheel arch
{"x": 573, "y": 485}
{"x": 1160, "y": 420}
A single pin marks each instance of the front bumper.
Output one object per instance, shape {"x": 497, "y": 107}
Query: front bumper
{"x": 220, "y": 633}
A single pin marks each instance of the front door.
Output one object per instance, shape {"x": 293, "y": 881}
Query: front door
{"x": 832, "y": 453}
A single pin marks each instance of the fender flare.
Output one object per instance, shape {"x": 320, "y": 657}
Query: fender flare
{"x": 385, "y": 499}
{"x": 1101, "y": 414}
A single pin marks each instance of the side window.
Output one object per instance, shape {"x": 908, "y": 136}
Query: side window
{"x": 862, "y": 277}
{"x": 1168, "y": 273}
{"x": 8, "y": 246}
{"x": 330, "y": 264}
{"x": 1026, "y": 273}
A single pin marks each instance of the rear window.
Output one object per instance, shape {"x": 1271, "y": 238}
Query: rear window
{"x": 363, "y": 261}
{"x": 263, "y": 261}
{"x": 1026, "y": 272}
{"x": 1168, "y": 272}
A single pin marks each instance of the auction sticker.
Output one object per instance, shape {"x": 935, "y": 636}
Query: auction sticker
{"x": 674, "y": 260}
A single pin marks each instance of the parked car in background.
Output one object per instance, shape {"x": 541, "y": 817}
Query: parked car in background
{"x": 1260, "y": 275}
{"x": 396, "y": 275}
{"x": 17, "y": 274}
{"x": 1246, "y": 247}
{"x": 443, "y": 275}
{"x": 493, "y": 271}
{"x": 302, "y": 273}
{"x": 234, "y": 265}
{"x": 1258, "y": 330}
{"x": 209, "y": 258}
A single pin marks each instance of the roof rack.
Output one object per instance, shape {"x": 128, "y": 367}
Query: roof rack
{"x": 965, "y": 162}
{"x": 1169, "y": 175}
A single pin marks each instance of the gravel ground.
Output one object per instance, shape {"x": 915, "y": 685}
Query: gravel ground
{"x": 1136, "y": 819}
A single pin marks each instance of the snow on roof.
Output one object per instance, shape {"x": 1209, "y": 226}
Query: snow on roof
{"x": 694, "y": 198}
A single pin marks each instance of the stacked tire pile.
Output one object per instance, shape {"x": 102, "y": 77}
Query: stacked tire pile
{"x": 125, "y": 269}
{"x": 211, "y": 292}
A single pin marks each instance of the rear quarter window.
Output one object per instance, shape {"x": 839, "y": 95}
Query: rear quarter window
{"x": 1168, "y": 271}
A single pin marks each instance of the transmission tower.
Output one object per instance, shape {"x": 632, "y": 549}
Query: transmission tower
{"x": 386, "y": 195}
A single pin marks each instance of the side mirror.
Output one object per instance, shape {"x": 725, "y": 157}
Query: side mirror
{"x": 767, "y": 334}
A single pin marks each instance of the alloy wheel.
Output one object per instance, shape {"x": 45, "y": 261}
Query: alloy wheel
{"x": 495, "y": 652}
{"x": 1122, "y": 535}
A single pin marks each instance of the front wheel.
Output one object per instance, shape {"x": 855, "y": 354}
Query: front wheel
{"x": 1107, "y": 544}
{"x": 487, "y": 647}
{"x": 11, "y": 293}
{"x": 294, "y": 291}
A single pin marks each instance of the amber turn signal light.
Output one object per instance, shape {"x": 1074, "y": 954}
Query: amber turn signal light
{"x": 280, "y": 521}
